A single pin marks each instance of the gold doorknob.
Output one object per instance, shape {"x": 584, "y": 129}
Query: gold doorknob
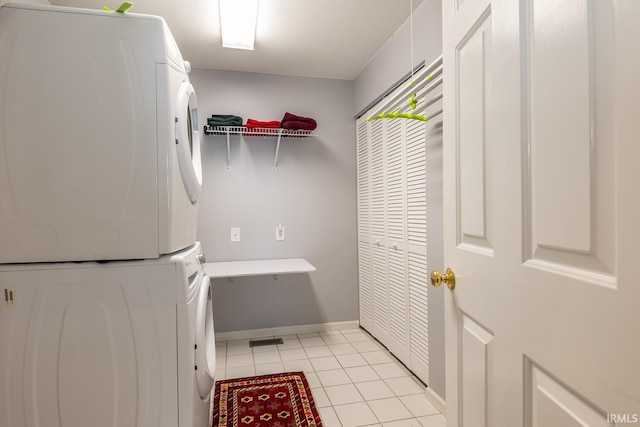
{"x": 448, "y": 277}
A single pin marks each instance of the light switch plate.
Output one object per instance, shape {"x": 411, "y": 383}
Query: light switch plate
{"x": 279, "y": 231}
{"x": 235, "y": 235}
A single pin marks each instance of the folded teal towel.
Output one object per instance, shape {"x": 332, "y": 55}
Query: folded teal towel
{"x": 224, "y": 120}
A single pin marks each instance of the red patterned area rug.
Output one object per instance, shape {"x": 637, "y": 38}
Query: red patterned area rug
{"x": 280, "y": 400}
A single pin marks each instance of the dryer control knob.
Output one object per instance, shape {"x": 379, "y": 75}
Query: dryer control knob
{"x": 201, "y": 258}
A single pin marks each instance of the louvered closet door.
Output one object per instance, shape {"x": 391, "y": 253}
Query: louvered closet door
{"x": 365, "y": 256}
{"x": 379, "y": 231}
{"x": 395, "y": 136}
{"x": 392, "y": 230}
{"x": 407, "y": 250}
{"x": 416, "y": 173}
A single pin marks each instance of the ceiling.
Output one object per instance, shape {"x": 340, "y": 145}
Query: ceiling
{"x": 316, "y": 38}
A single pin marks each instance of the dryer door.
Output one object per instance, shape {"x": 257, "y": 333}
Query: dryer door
{"x": 205, "y": 356}
{"x": 188, "y": 141}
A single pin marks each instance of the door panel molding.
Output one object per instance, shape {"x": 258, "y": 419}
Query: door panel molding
{"x": 568, "y": 129}
{"x": 473, "y": 114}
{"x": 475, "y": 361}
{"x": 550, "y": 402}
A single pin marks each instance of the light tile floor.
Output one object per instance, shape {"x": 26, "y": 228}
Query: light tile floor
{"x": 354, "y": 380}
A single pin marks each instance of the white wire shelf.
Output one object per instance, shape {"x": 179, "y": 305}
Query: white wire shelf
{"x": 245, "y": 131}
{"x": 264, "y": 132}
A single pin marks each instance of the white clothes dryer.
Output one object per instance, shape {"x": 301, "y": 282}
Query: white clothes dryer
{"x": 100, "y": 142}
{"x": 107, "y": 344}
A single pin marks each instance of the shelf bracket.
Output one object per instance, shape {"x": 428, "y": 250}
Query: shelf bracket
{"x": 228, "y": 151}
{"x": 275, "y": 157}
{"x": 266, "y": 132}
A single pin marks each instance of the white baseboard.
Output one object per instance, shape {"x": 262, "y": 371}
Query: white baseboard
{"x": 437, "y": 401}
{"x": 285, "y": 330}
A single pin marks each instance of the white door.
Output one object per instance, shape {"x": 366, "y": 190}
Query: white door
{"x": 392, "y": 220}
{"x": 205, "y": 348}
{"x": 188, "y": 141}
{"x": 541, "y": 208}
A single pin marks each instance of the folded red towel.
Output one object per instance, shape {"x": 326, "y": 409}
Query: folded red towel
{"x": 293, "y": 125}
{"x": 291, "y": 121}
{"x": 251, "y": 123}
{"x": 288, "y": 117}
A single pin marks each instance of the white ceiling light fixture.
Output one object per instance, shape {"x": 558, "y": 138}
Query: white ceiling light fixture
{"x": 238, "y": 23}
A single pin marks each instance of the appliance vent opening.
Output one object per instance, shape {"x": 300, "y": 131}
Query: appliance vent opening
{"x": 267, "y": 341}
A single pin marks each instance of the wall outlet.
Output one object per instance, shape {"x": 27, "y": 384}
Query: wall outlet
{"x": 235, "y": 235}
{"x": 9, "y": 298}
{"x": 279, "y": 231}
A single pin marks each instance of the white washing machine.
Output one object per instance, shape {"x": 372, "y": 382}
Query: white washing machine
{"x": 107, "y": 344}
{"x": 100, "y": 143}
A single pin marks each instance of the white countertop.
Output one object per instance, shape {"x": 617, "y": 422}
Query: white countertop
{"x": 263, "y": 267}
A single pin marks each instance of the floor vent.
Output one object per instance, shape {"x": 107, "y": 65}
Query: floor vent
{"x": 268, "y": 341}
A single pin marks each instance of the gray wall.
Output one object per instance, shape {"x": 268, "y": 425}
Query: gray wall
{"x": 390, "y": 64}
{"x": 393, "y": 61}
{"x": 313, "y": 194}
{"x": 435, "y": 258}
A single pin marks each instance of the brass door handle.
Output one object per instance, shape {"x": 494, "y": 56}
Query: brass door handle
{"x": 448, "y": 277}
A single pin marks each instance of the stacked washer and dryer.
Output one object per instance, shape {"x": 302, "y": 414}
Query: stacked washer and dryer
{"x": 106, "y": 315}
